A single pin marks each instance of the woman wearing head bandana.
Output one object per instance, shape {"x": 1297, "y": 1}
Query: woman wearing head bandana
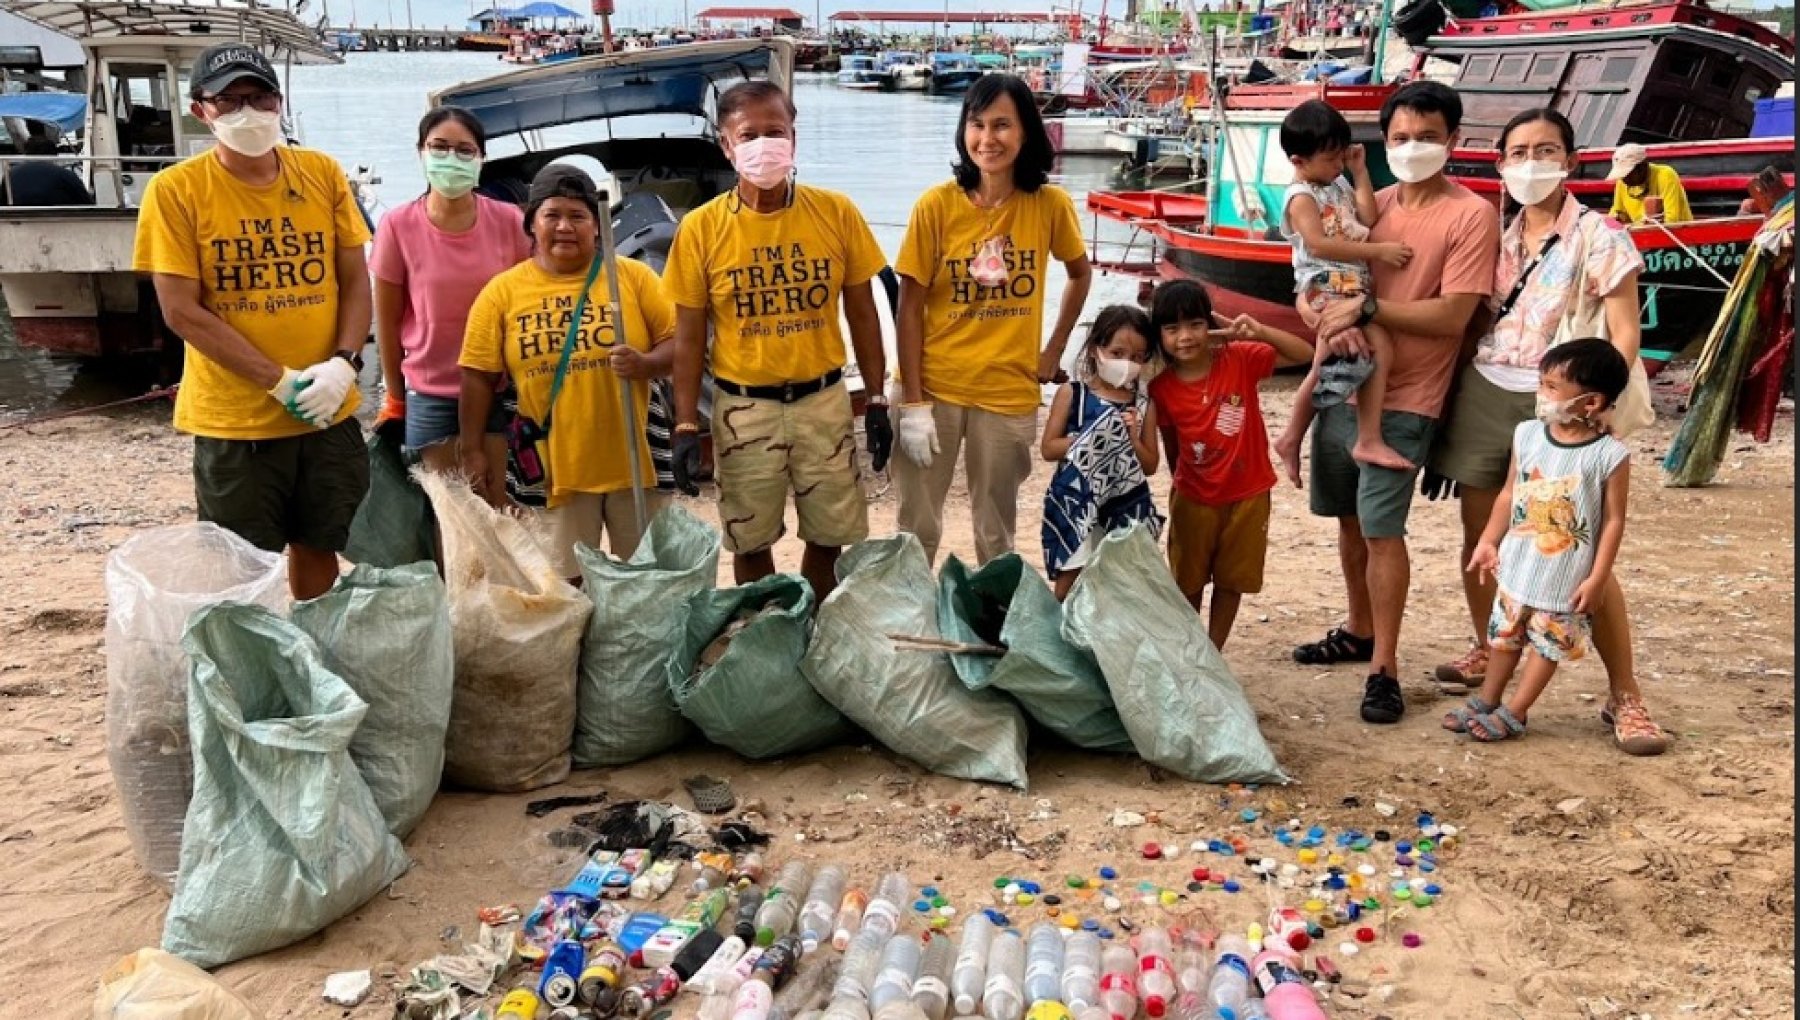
{"x": 520, "y": 327}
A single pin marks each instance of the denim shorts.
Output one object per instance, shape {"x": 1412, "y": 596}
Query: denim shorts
{"x": 432, "y": 420}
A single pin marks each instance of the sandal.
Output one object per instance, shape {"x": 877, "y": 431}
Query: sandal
{"x": 1633, "y": 729}
{"x": 1465, "y": 673}
{"x": 1338, "y": 646}
{"x": 1457, "y": 719}
{"x": 1493, "y": 727}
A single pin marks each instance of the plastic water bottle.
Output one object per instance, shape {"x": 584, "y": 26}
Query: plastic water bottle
{"x": 899, "y": 1009}
{"x": 846, "y": 1007}
{"x": 861, "y": 961}
{"x": 1156, "y": 973}
{"x": 970, "y": 972}
{"x": 931, "y": 991}
{"x": 849, "y": 918}
{"x": 1229, "y": 988}
{"x": 721, "y": 994}
{"x": 1043, "y": 963}
{"x": 894, "y": 979}
{"x": 1190, "y": 964}
{"x": 1118, "y": 982}
{"x": 1003, "y": 996}
{"x": 807, "y": 991}
{"x": 820, "y": 911}
{"x": 1285, "y": 992}
{"x": 755, "y": 998}
{"x": 883, "y": 913}
{"x": 1081, "y": 971}
{"x": 1099, "y": 1013}
{"x": 778, "y": 913}
{"x": 1255, "y": 1009}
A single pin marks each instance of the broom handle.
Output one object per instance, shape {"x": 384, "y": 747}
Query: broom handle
{"x": 627, "y": 399}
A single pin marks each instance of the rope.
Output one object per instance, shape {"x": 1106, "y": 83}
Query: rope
{"x": 157, "y": 394}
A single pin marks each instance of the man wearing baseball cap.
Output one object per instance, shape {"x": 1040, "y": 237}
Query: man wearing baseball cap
{"x": 1643, "y": 190}
{"x": 256, "y": 252}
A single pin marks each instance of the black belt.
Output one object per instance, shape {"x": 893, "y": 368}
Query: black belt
{"x": 787, "y": 393}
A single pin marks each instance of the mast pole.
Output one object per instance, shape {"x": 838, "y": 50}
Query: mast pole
{"x": 1381, "y": 34}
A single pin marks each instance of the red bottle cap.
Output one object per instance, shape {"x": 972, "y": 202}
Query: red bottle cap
{"x": 1365, "y": 934}
{"x": 1152, "y": 852}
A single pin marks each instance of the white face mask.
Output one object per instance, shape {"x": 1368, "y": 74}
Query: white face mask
{"x": 1558, "y": 412}
{"x": 1413, "y": 162}
{"x": 1531, "y": 183}
{"x": 248, "y": 132}
{"x": 1117, "y": 371}
{"x": 764, "y": 162}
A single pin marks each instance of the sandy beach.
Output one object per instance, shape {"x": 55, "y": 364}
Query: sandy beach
{"x": 1587, "y": 884}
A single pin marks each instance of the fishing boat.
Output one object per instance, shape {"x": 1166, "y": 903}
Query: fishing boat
{"x": 858, "y": 71}
{"x": 65, "y": 272}
{"x": 903, "y": 71}
{"x": 952, "y": 74}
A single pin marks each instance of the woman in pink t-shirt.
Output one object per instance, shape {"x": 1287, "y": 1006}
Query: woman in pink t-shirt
{"x": 432, "y": 256}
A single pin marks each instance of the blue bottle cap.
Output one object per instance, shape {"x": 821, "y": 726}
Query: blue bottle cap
{"x": 1316, "y": 832}
{"x": 1427, "y": 865}
{"x": 1354, "y": 910}
{"x": 1434, "y": 890}
{"x": 929, "y": 891}
{"x": 1284, "y": 837}
{"x": 1109, "y": 873}
{"x": 1426, "y": 819}
{"x": 1248, "y": 814}
{"x": 1031, "y": 887}
{"x": 1335, "y": 882}
{"x": 1002, "y": 920}
{"x": 1403, "y": 847}
{"x": 922, "y": 906}
{"x": 1231, "y": 885}
{"x": 1215, "y": 845}
{"x": 1105, "y": 933}
{"x": 1090, "y": 925}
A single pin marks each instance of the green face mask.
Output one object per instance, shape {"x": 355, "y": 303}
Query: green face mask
{"x": 450, "y": 176}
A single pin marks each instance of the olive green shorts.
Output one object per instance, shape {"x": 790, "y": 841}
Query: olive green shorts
{"x": 1476, "y": 446}
{"x": 1380, "y": 498}
{"x": 302, "y": 490}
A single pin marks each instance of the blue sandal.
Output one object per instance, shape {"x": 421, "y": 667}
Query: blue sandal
{"x": 1495, "y": 726}
{"x": 1457, "y": 720}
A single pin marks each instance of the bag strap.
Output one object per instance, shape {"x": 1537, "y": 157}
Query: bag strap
{"x": 1518, "y": 287}
{"x": 568, "y": 348}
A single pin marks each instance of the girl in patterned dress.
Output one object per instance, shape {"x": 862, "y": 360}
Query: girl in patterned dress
{"x": 1102, "y": 436}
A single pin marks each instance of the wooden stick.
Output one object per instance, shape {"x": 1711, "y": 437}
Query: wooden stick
{"x": 912, "y": 643}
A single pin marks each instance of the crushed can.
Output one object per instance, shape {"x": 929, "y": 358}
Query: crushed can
{"x": 519, "y": 1004}
{"x": 642, "y": 998}
{"x": 604, "y": 967}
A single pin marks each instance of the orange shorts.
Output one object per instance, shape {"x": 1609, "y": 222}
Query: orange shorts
{"x": 1223, "y": 546}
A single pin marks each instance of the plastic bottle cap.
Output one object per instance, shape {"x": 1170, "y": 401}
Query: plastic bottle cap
{"x": 922, "y": 906}
{"x": 1169, "y": 897}
{"x": 1152, "y": 852}
{"x": 1348, "y": 949}
{"x": 1309, "y": 857}
{"x": 1314, "y": 906}
{"x": 1433, "y": 889}
{"x": 1108, "y": 873}
{"x": 1232, "y": 886}
{"x": 1298, "y": 940}
{"x": 1411, "y": 940}
{"x": 1248, "y": 814}
{"x": 1024, "y": 899}
{"x": 1069, "y": 921}
{"x": 1112, "y": 904}
{"x": 1002, "y": 882}
{"x": 1365, "y": 934}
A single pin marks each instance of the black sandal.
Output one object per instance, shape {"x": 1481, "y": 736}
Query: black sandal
{"x": 1339, "y": 646}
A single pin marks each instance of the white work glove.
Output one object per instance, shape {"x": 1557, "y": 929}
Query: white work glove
{"x": 288, "y": 390}
{"x": 327, "y": 386}
{"x": 918, "y": 433}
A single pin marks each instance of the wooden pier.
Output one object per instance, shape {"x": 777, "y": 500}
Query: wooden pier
{"x": 395, "y": 40}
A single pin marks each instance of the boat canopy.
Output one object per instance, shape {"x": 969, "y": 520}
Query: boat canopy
{"x": 64, "y": 109}
{"x": 97, "y": 23}
{"x": 676, "y": 80}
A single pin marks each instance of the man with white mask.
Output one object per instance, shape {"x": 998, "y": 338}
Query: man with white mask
{"x": 765, "y": 265}
{"x": 256, "y": 252}
{"x": 1426, "y": 305}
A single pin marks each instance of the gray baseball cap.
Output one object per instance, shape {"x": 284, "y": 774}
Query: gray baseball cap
{"x": 221, "y": 65}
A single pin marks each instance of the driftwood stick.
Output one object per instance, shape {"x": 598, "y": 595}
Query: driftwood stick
{"x": 912, "y": 643}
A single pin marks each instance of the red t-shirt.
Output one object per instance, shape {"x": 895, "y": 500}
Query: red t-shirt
{"x": 1221, "y": 444}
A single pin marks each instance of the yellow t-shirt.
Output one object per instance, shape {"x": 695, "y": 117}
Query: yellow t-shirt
{"x": 266, "y": 259}
{"x": 1628, "y": 202}
{"x": 517, "y": 327}
{"x": 982, "y": 343}
{"x": 771, "y": 282}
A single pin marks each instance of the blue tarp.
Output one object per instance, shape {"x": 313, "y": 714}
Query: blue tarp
{"x": 64, "y": 109}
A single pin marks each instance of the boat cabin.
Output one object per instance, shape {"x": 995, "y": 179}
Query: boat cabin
{"x": 1669, "y": 71}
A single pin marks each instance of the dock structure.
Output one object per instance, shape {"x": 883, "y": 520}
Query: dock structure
{"x": 398, "y": 40}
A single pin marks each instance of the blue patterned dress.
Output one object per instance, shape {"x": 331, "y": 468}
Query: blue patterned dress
{"x": 1099, "y": 485}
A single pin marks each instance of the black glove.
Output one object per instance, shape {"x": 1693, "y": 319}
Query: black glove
{"x": 686, "y": 462}
{"x": 880, "y": 432}
{"x": 1434, "y": 486}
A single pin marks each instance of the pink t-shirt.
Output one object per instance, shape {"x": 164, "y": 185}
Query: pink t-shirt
{"x": 441, "y": 273}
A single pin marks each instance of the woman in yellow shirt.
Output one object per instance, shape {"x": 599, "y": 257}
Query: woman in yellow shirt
{"x": 973, "y": 268}
{"x": 518, "y": 327}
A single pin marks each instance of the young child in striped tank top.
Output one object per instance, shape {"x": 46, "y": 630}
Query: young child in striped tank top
{"x": 1554, "y": 535}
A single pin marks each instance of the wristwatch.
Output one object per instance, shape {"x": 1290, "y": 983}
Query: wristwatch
{"x": 354, "y": 358}
{"x": 1367, "y": 314}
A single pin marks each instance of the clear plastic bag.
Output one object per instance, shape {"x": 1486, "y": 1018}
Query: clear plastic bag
{"x": 518, "y": 628}
{"x": 153, "y": 985}
{"x": 154, "y": 583}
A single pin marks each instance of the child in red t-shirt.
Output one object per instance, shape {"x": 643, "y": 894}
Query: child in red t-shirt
{"x": 1212, "y": 427}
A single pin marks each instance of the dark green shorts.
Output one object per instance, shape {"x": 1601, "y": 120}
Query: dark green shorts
{"x": 302, "y": 490}
{"x": 1378, "y": 497}
{"x": 1476, "y": 447}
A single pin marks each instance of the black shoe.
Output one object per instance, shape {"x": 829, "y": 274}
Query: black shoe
{"x": 1382, "y": 702}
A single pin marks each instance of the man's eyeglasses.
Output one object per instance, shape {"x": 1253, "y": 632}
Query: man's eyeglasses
{"x": 267, "y": 102}
{"x": 466, "y": 153}
{"x": 1547, "y": 151}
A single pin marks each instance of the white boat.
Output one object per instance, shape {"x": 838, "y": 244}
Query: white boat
{"x": 65, "y": 271}
{"x": 1081, "y": 133}
{"x": 858, "y": 71}
{"x": 905, "y": 71}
